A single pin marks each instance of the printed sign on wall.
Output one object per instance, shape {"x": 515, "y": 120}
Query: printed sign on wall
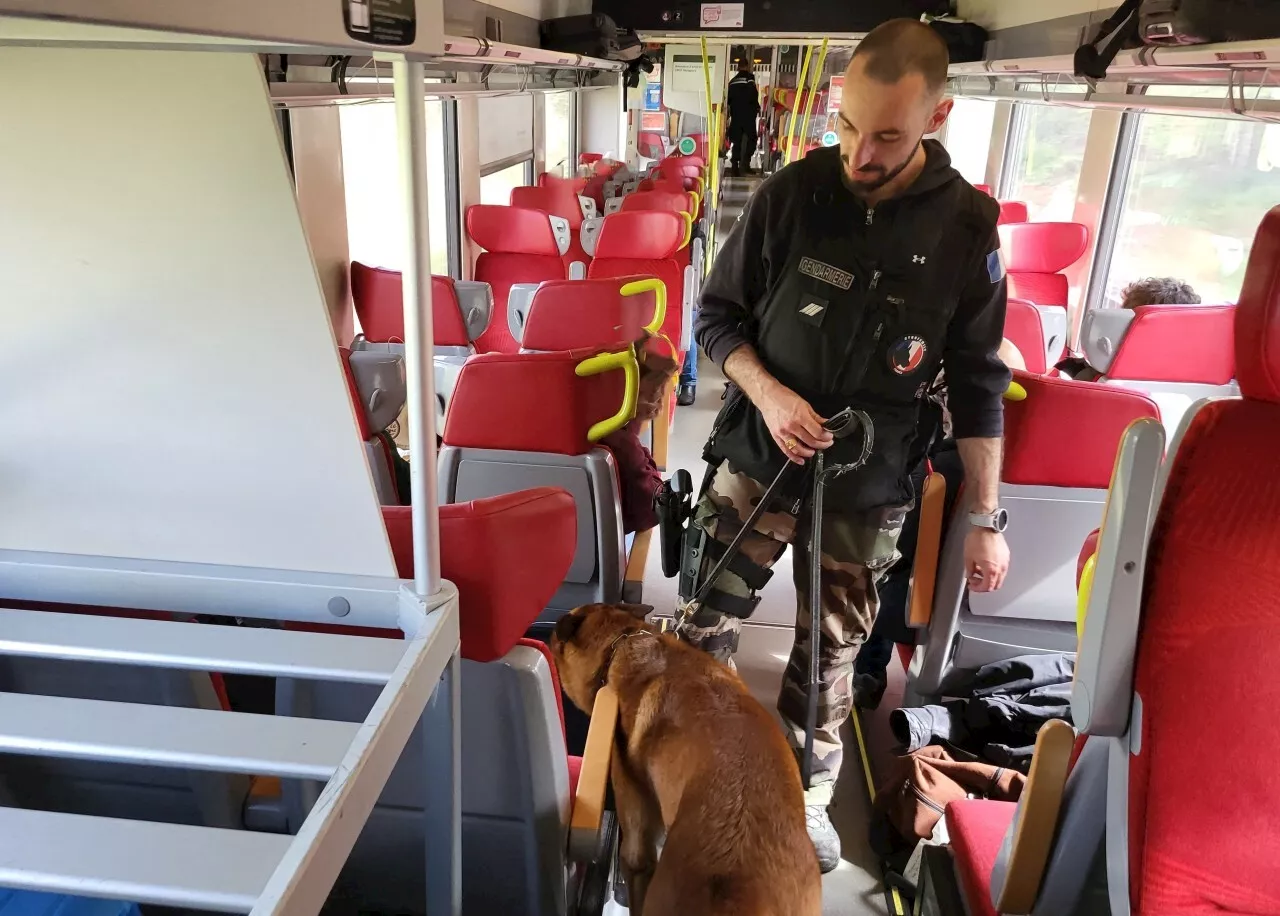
{"x": 722, "y": 15}
{"x": 836, "y": 93}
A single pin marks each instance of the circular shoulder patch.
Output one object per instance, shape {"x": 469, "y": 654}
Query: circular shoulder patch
{"x": 906, "y": 354}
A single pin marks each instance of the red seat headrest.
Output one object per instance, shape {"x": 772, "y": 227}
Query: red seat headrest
{"x": 652, "y": 235}
{"x": 558, "y": 201}
{"x": 984, "y": 188}
{"x": 1024, "y": 328}
{"x": 1178, "y": 343}
{"x": 1089, "y": 549}
{"x": 530, "y": 402}
{"x": 1257, "y": 343}
{"x": 556, "y": 183}
{"x": 506, "y": 554}
{"x": 1042, "y": 248}
{"x": 378, "y": 296}
{"x": 673, "y": 201}
{"x": 585, "y": 314}
{"x": 511, "y": 230}
{"x": 1012, "y": 211}
{"x": 1039, "y": 453}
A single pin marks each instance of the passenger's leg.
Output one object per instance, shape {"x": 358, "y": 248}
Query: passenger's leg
{"x": 749, "y": 138}
{"x": 855, "y": 552}
{"x": 721, "y": 512}
{"x": 688, "y": 390}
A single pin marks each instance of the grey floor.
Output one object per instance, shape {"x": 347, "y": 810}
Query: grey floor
{"x": 854, "y": 888}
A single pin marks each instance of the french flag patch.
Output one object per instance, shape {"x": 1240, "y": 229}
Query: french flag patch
{"x": 995, "y": 266}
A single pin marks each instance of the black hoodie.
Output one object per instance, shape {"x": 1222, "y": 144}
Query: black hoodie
{"x": 855, "y": 306}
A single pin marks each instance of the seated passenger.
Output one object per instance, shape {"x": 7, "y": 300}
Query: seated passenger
{"x": 1151, "y": 291}
{"x": 638, "y": 476}
{"x": 933, "y": 447}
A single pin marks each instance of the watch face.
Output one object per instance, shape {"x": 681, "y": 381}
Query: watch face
{"x": 1000, "y": 520}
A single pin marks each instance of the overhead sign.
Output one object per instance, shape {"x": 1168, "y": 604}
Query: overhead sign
{"x": 684, "y": 87}
{"x": 723, "y": 15}
{"x": 835, "y": 94}
{"x": 653, "y": 90}
{"x": 830, "y": 138}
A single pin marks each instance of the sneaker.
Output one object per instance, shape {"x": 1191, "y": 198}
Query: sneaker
{"x": 868, "y": 690}
{"x": 686, "y": 395}
{"x": 826, "y": 842}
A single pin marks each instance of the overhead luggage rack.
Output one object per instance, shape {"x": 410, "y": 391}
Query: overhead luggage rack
{"x": 232, "y": 871}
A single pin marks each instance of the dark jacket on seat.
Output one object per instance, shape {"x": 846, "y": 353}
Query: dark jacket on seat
{"x": 855, "y": 306}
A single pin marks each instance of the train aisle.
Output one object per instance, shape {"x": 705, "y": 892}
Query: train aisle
{"x": 854, "y": 888}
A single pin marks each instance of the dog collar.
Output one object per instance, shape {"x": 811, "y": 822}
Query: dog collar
{"x": 602, "y": 675}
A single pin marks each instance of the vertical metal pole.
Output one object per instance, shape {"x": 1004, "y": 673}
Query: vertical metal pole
{"x": 411, "y": 132}
{"x": 787, "y": 156}
{"x": 808, "y": 102}
{"x": 442, "y": 803}
{"x": 452, "y": 187}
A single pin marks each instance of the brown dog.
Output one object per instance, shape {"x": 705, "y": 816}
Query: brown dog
{"x": 701, "y": 760}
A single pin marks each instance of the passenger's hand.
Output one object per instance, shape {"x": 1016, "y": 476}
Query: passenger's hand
{"x": 986, "y": 560}
{"x": 793, "y": 424}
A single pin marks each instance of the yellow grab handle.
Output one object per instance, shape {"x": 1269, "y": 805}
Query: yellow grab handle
{"x": 659, "y": 290}
{"x": 688, "y": 230}
{"x": 1082, "y": 595}
{"x": 1015, "y": 392}
{"x": 607, "y": 362}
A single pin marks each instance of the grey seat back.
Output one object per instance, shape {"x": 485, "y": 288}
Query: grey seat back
{"x": 515, "y": 794}
{"x": 1054, "y": 486}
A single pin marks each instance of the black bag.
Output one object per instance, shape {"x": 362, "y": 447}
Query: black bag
{"x": 966, "y": 41}
{"x": 592, "y": 35}
{"x": 1195, "y": 22}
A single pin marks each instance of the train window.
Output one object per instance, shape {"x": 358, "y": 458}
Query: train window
{"x": 495, "y": 188}
{"x": 556, "y": 126}
{"x": 968, "y": 137}
{"x": 1044, "y": 158}
{"x": 376, "y": 233}
{"x": 1196, "y": 191}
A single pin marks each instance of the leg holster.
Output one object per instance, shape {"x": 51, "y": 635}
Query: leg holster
{"x": 700, "y": 554}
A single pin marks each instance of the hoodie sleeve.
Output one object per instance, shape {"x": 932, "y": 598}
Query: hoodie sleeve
{"x": 976, "y": 377}
{"x": 737, "y": 281}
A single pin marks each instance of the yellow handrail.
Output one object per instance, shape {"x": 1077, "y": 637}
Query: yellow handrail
{"x": 607, "y": 362}
{"x": 659, "y": 290}
{"x": 1082, "y": 594}
{"x": 1015, "y": 392}
{"x": 817, "y": 81}
{"x": 795, "y": 108}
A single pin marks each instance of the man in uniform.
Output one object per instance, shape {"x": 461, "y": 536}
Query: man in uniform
{"x": 850, "y": 279}
{"x": 744, "y": 109}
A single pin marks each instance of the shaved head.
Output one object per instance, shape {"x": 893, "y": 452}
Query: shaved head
{"x": 892, "y": 98}
{"x": 900, "y": 47}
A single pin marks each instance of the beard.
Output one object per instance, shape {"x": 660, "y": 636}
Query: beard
{"x": 869, "y": 180}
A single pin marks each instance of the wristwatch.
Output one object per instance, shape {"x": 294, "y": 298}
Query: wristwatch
{"x": 996, "y": 521}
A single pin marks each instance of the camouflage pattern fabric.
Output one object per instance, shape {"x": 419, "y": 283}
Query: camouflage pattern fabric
{"x": 856, "y": 551}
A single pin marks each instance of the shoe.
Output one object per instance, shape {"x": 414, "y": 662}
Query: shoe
{"x": 826, "y": 842}
{"x": 735, "y": 172}
{"x": 686, "y": 395}
{"x": 868, "y": 690}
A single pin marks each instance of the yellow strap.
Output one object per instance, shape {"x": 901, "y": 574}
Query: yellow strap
{"x": 607, "y": 362}
{"x": 795, "y": 108}
{"x": 808, "y": 104}
{"x": 1015, "y": 392}
{"x": 659, "y": 290}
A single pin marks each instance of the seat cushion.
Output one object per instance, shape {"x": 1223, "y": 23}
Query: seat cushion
{"x": 977, "y": 828}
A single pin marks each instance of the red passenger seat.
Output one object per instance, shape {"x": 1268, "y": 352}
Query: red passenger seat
{"x": 520, "y": 246}
{"x": 1035, "y": 256}
{"x": 653, "y": 244}
{"x": 670, "y": 201}
{"x": 585, "y": 314}
{"x": 378, "y": 296}
{"x": 1012, "y": 211}
{"x": 556, "y": 199}
{"x": 1024, "y": 328}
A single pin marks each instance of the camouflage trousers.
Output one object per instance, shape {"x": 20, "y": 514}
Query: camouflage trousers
{"x": 856, "y": 550}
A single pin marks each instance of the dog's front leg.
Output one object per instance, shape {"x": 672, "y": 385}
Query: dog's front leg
{"x": 639, "y": 826}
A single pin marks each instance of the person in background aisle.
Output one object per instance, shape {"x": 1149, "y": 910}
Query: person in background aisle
{"x": 1151, "y": 291}
{"x": 934, "y": 450}
{"x": 744, "y": 109}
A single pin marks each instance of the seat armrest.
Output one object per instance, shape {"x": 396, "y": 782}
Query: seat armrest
{"x": 1020, "y": 867}
{"x": 633, "y": 580}
{"x": 593, "y": 781}
{"x": 924, "y": 572}
{"x": 662, "y": 426}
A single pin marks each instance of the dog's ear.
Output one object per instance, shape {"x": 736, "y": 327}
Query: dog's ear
{"x": 567, "y": 626}
{"x": 638, "y": 611}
